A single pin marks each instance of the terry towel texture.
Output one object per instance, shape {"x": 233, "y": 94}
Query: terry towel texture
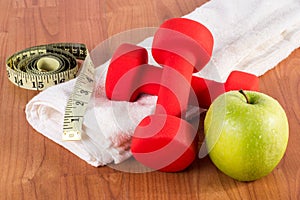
{"x": 251, "y": 36}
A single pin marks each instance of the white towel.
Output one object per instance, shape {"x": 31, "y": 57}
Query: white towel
{"x": 251, "y": 36}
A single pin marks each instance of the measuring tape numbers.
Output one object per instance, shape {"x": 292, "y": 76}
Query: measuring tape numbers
{"x": 78, "y": 102}
{"x": 39, "y": 67}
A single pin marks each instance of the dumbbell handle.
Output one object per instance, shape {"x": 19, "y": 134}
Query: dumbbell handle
{"x": 173, "y": 93}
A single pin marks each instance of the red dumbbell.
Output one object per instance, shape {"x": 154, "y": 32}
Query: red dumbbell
{"x": 164, "y": 141}
{"x": 129, "y": 75}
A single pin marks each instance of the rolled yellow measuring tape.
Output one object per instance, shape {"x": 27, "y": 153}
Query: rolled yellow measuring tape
{"x": 39, "y": 67}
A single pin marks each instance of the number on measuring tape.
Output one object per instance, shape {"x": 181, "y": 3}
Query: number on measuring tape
{"x": 39, "y": 84}
{"x": 78, "y": 102}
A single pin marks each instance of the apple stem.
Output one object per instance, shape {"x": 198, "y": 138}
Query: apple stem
{"x": 243, "y": 93}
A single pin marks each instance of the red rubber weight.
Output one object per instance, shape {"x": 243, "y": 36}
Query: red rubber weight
{"x": 164, "y": 141}
{"x": 170, "y": 148}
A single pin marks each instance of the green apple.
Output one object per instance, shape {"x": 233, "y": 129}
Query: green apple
{"x": 246, "y": 134}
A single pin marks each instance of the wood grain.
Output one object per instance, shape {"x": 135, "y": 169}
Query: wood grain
{"x": 33, "y": 167}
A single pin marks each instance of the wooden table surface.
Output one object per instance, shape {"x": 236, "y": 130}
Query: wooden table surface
{"x": 33, "y": 167}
